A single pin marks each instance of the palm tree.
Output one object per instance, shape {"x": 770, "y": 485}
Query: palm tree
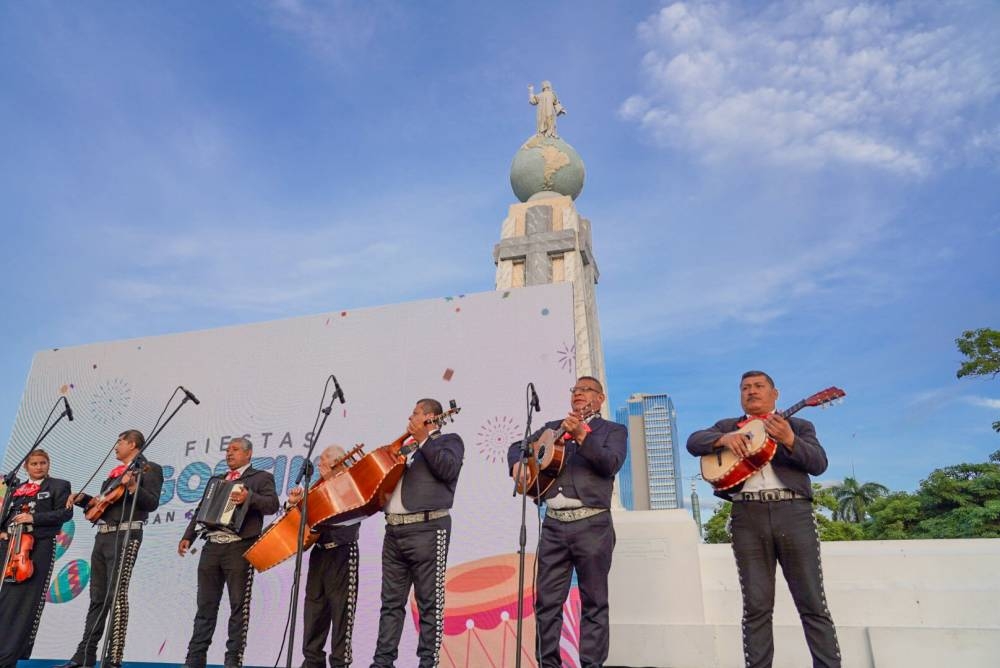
{"x": 853, "y": 499}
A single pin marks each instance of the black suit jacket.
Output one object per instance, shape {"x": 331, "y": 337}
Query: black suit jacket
{"x": 150, "y": 485}
{"x": 262, "y": 500}
{"x": 50, "y": 511}
{"x": 429, "y": 481}
{"x": 590, "y": 468}
{"x": 793, "y": 465}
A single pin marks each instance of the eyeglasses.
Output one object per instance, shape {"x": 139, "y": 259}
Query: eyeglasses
{"x": 581, "y": 388}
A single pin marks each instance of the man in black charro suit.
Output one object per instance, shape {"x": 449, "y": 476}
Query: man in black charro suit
{"x": 332, "y": 582}
{"x": 772, "y": 522}
{"x": 417, "y": 534}
{"x": 112, "y": 527}
{"x": 222, "y": 563}
{"x": 577, "y": 533}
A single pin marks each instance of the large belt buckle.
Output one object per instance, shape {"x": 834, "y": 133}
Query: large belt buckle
{"x": 770, "y": 495}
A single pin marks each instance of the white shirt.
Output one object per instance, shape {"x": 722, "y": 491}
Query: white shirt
{"x": 395, "y": 504}
{"x": 765, "y": 478}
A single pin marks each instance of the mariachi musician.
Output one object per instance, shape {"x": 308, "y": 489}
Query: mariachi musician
{"x": 417, "y": 535}
{"x": 332, "y": 582}
{"x": 222, "y": 563}
{"x": 136, "y": 480}
{"x": 39, "y": 509}
{"x": 577, "y": 533}
{"x": 772, "y": 522}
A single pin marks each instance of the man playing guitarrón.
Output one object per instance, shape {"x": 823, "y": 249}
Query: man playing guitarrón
{"x": 417, "y": 535}
{"x": 222, "y": 562}
{"x": 772, "y": 522}
{"x": 577, "y": 532}
{"x": 332, "y": 582}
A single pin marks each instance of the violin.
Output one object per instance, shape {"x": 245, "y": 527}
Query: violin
{"x": 18, "y": 566}
{"x": 115, "y": 491}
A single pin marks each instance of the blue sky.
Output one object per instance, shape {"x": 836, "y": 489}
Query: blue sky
{"x": 805, "y": 187}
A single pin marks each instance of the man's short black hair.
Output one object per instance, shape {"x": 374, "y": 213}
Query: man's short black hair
{"x": 432, "y": 406}
{"x": 755, "y": 372}
{"x": 133, "y": 436}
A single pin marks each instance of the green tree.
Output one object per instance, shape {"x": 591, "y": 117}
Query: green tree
{"x": 982, "y": 348}
{"x": 893, "y": 517}
{"x": 854, "y": 498}
{"x": 717, "y": 526}
{"x": 960, "y": 501}
{"x": 829, "y": 524}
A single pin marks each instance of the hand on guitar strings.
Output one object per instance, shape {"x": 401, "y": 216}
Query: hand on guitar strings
{"x": 737, "y": 442}
{"x": 574, "y": 425}
{"x": 779, "y": 430}
{"x": 294, "y": 496}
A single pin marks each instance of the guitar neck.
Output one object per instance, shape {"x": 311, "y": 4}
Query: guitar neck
{"x": 788, "y": 412}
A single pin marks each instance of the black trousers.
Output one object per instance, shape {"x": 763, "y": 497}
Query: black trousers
{"x": 21, "y": 604}
{"x": 770, "y": 532}
{"x": 585, "y": 545}
{"x": 413, "y": 555}
{"x": 221, "y": 565}
{"x": 331, "y": 599}
{"x": 104, "y": 565}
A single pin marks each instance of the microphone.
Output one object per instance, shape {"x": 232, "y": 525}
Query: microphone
{"x": 188, "y": 394}
{"x": 69, "y": 411}
{"x": 534, "y": 398}
{"x": 338, "y": 393}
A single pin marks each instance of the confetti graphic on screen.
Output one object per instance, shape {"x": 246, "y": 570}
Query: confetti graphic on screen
{"x": 448, "y": 373}
{"x": 110, "y": 400}
{"x": 495, "y": 436}
{"x": 566, "y": 357}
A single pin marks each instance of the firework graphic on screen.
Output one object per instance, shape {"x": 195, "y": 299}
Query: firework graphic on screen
{"x": 566, "y": 357}
{"x": 110, "y": 400}
{"x": 495, "y": 436}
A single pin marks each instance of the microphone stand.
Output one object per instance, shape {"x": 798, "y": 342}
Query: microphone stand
{"x": 305, "y": 473}
{"x": 523, "y": 536}
{"x": 133, "y": 467}
{"x": 11, "y": 480}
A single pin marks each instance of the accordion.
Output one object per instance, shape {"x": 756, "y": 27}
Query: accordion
{"x": 217, "y": 511}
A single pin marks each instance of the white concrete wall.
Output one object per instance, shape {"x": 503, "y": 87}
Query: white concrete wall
{"x": 895, "y": 603}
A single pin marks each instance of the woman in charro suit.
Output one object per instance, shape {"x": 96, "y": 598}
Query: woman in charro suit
{"x": 40, "y": 505}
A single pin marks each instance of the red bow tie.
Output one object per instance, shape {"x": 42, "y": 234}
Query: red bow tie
{"x": 27, "y": 489}
{"x": 117, "y": 471}
{"x": 232, "y": 475}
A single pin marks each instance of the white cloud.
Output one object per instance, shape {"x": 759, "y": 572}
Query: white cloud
{"x": 894, "y": 88}
{"x": 984, "y": 402}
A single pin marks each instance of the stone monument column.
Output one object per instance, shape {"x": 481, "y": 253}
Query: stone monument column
{"x": 544, "y": 239}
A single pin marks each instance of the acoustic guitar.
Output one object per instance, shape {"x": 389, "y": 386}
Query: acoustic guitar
{"x": 724, "y": 469}
{"x": 548, "y": 454}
